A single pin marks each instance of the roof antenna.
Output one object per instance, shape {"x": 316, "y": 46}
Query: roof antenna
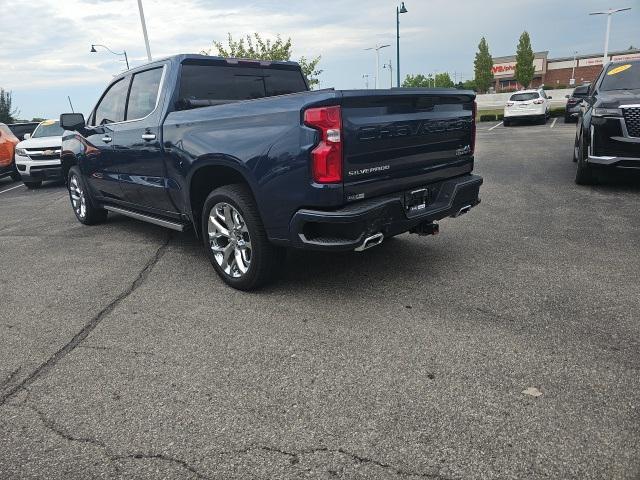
{"x": 70, "y": 104}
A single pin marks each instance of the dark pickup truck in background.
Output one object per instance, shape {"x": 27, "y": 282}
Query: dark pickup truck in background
{"x": 244, "y": 153}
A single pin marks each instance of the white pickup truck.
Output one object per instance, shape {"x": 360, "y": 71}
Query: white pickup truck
{"x": 38, "y": 155}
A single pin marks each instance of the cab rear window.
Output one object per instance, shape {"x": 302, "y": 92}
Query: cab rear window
{"x": 523, "y": 97}
{"x": 216, "y": 82}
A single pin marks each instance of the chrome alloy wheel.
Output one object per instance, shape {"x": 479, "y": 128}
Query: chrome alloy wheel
{"x": 78, "y": 200}
{"x": 229, "y": 240}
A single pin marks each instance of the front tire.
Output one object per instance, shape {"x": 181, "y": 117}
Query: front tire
{"x": 81, "y": 204}
{"x": 584, "y": 172}
{"x": 236, "y": 241}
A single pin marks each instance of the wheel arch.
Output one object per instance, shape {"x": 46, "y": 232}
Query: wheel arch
{"x": 66, "y": 162}
{"x": 208, "y": 174}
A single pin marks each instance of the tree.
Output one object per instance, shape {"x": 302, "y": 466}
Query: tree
{"x": 524, "y": 61}
{"x": 482, "y": 67}
{"x": 257, "y": 48}
{"x": 441, "y": 80}
{"x": 469, "y": 85}
{"x": 7, "y": 114}
{"x": 417, "y": 81}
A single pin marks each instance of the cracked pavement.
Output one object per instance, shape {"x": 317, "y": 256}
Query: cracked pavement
{"x": 123, "y": 356}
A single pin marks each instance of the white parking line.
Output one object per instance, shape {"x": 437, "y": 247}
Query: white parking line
{"x": 12, "y": 188}
{"x": 495, "y": 126}
{"x": 553, "y": 123}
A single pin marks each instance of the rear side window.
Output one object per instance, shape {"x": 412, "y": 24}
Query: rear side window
{"x": 144, "y": 93}
{"x": 219, "y": 82}
{"x": 111, "y": 107}
{"x": 20, "y": 130}
{"x": 581, "y": 91}
{"x": 523, "y": 97}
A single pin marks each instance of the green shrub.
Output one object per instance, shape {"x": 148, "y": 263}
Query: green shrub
{"x": 488, "y": 117}
{"x": 557, "y": 112}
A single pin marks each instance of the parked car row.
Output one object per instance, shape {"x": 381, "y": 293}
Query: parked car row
{"x": 607, "y": 113}
{"x": 36, "y": 157}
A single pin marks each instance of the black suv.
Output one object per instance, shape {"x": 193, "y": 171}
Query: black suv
{"x": 572, "y": 109}
{"x": 608, "y": 133}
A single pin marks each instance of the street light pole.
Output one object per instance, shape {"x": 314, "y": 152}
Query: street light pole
{"x": 390, "y": 67}
{"x": 573, "y": 69}
{"x": 366, "y": 80}
{"x": 608, "y": 13}
{"x": 377, "y": 48}
{"x": 124, "y": 52}
{"x": 399, "y": 10}
{"x": 144, "y": 30}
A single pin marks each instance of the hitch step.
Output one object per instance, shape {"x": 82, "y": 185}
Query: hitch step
{"x": 426, "y": 228}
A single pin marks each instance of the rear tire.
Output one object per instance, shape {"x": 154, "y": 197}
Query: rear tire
{"x": 81, "y": 203}
{"x": 584, "y": 172}
{"x": 506, "y": 122}
{"x": 33, "y": 185}
{"x": 236, "y": 241}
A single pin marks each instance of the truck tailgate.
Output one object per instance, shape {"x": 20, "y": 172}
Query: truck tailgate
{"x": 399, "y": 139}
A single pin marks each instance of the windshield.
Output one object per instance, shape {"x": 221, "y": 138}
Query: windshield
{"x": 49, "y": 128}
{"x": 622, "y": 77}
{"x": 523, "y": 97}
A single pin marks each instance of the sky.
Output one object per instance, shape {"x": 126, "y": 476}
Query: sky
{"x": 44, "y": 44}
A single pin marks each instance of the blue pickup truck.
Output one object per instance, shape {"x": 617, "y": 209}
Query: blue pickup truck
{"x": 251, "y": 159}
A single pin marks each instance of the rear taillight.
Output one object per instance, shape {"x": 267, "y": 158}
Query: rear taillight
{"x": 326, "y": 158}
{"x": 474, "y": 112}
{"x": 538, "y": 101}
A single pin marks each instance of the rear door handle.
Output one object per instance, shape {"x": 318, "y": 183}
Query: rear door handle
{"x": 148, "y": 136}
{"x": 106, "y": 139}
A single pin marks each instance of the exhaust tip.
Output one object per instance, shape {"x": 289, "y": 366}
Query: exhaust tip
{"x": 462, "y": 211}
{"x": 371, "y": 241}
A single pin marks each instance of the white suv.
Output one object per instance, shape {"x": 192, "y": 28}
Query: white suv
{"x": 527, "y": 105}
{"x": 38, "y": 156}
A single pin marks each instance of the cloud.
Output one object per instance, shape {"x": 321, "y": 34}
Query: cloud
{"x": 45, "y": 43}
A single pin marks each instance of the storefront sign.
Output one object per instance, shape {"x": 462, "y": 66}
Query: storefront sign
{"x": 508, "y": 69}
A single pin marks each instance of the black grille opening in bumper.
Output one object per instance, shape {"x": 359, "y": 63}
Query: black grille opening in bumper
{"x": 632, "y": 120}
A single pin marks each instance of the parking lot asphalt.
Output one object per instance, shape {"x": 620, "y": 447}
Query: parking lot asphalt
{"x": 505, "y": 347}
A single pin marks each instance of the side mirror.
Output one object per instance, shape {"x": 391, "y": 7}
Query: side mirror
{"x": 27, "y": 136}
{"x": 549, "y": 98}
{"x": 72, "y": 121}
{"x": 567, "y": 96}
